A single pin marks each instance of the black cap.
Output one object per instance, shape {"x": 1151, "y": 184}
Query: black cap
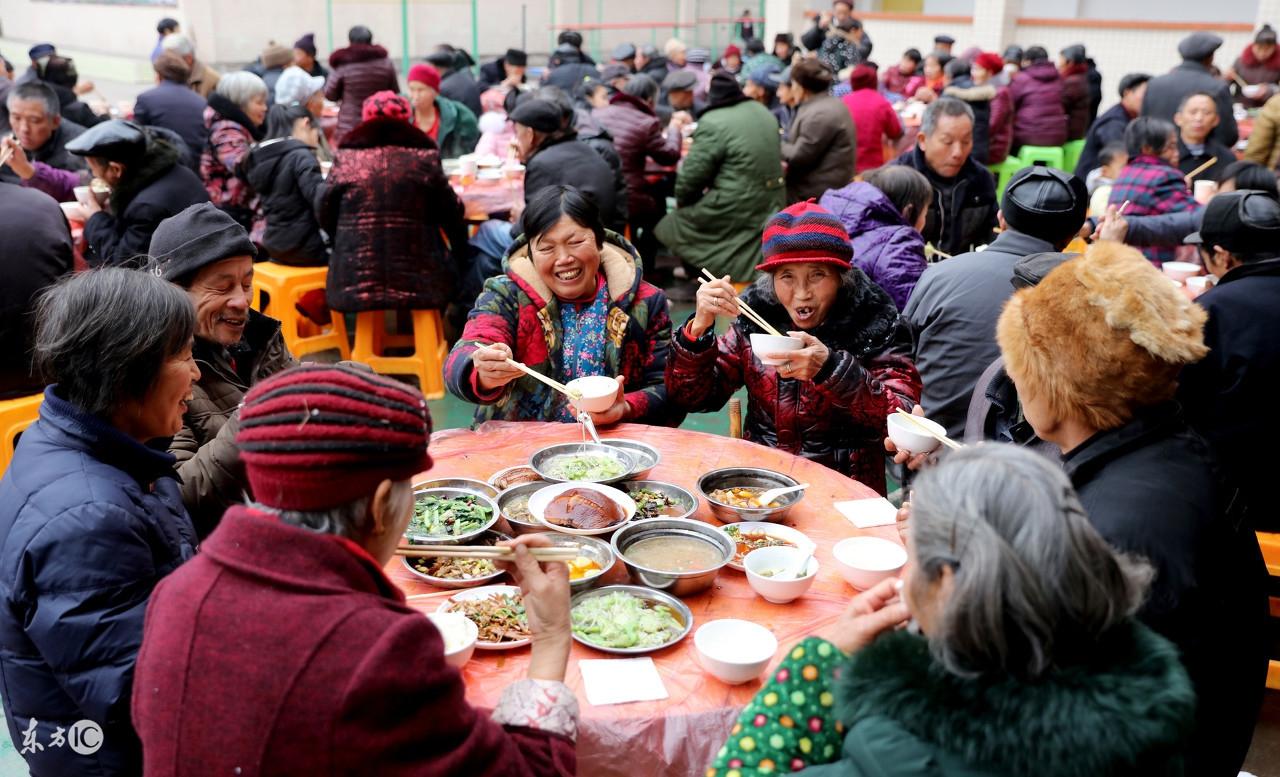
{"x": 624, "y": 51}
{"x": 516, "y": 57}
{"x": 1045, "y": 203}
{"x": 1074, "y": 53}
{"x": 538, "y": 114}
{"x": 1244, "y": 222}
{"x": 1199, "y": 46}
{"x": 679, "y": 80}
{"x": 41, "y": 50}
{"x": 197, "y": 237}
{"x": 616, "y": 70}
{"x": 116, "y": 140}
{"x": 1031, "y": 269}
{"x": 944, "y": 39}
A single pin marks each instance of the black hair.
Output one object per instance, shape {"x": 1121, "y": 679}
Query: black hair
{"x": 907, "y": 188}
{"x": 1075, "y": 54}
{"x": 360, "y": 34}
{"x": 1132, "y": 81}
{"x": 812, "y": 75}
{"x": 1147, "y": 132}
{"x": 913, "y": 55}
{"x": 104, "y": 335}
{"x": 755, "y": 46}
{"x": 1265, "y": 36}
{"x": 1187, "y": 97}
{"x": 942, "y": 58}
{"x": 60, "y": 71}
{"x": 642, "y": 86}
{"x": 281, "y": 117}
{"x": 1013, "y": 53}
{"x": 1110, "y": 151}
{"x": 166, "y": 26}
{"x": 956, "y": 68}
{"x": 551, "y": 203}
{"x": 1251, "y": 175}
{"x": 571, "y": 37}
{"x": 1036, "y": 54}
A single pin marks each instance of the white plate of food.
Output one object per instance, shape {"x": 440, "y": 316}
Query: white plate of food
{"x": 497, "y": 611}
{"x": 750, "y": 535}
{"x": 581, "y": 508}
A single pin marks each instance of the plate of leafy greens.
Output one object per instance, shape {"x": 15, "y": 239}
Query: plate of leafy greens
{"x": 628, "y": 619}
{"x": 449, "y": 516}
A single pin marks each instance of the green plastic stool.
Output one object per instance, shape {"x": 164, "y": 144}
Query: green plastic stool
{"x": 1004, "y": 171}
{"x": 1072, "y": 151}
{"x": 1051, "y": 156}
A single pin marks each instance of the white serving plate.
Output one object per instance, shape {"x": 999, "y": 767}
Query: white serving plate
{"x": 484, "y": 592}
{"x": 541, "y": 498}
{"x": 777, "y": 530}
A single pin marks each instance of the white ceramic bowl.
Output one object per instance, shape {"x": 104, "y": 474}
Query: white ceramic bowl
{"x": 908, "y": 438}
{"x": 598, "y": 393}
{"x": 762, "y": 344}
{"x": 459, "y": 635}
{"x": 485, "y": 592}
{"x": 734, "y": 651}
{"x": 1198, "y": 284}
{"x": 542, "y": 497}
{"x": 1180, "y": 271}
{"x": 865, "y": 561}
{"x": 779, "y": 590}
{"x": 773, "y": 530}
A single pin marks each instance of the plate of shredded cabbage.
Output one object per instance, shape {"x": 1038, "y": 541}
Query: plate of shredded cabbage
{"x": 629, "y": 619}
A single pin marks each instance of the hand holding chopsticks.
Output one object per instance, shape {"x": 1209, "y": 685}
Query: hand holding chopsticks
{"x": 488, "y": 552}
{"x": 495, "y": 368}
{"x": 745, "y": 309}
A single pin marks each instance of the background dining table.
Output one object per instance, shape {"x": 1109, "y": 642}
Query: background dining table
{"x": 679, "y": 735}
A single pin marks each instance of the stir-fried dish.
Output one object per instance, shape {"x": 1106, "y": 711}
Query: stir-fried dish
{"x": 653, "y": 504}
{"x": 741, "y": 496}
{"x": 437, "y": 516}
{"x": 752, "y": 539}
{"x": 500, "y": 617}
{"x": 620, "y": 620}
{"x": 455, "y": 568}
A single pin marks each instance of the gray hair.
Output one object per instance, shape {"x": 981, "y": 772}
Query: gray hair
{"x": 179, "y": 44}
{"x": 641, "y": 86}
{"x": 1034, "y": 583}
{"x": 943, "y": 106}
{"x": 240, "y": 87}
{"x": 36, "y": 91}
{"x": 104, "y": 335}
{"x": 350, "y": 520}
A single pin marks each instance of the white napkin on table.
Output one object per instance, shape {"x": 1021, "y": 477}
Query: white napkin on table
{"x": 621, "y": 680}
{"x": 865, "y": 513}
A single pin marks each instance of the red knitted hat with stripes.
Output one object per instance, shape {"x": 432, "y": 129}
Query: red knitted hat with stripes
{"x": 316, "y": 437}
{"x": 805, "y": 232}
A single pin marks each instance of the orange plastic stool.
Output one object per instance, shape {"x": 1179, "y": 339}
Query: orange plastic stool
{"x": 429, "y": 348}
{"x": 1269, "y": 542}
{"x": 284, "y": 286}
{"x": 15, "y": 416}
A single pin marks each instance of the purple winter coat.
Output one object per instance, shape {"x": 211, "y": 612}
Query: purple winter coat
{"x": 885, "y": 247}
{"x": 1038, "y": 116}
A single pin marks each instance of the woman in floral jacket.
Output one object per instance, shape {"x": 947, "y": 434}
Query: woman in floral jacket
{"x": 827, "y": 401}
{"x": 572, "y": 304}
{"x": 235, "y": 116}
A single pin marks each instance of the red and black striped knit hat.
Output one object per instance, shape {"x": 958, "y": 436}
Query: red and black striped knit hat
{"x": 805, "y": 232}
{"x": 316, "y": 437}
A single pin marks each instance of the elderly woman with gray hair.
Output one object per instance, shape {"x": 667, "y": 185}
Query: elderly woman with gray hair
{"x": 91, "y": 516}
{"x": 235, "y": 116}
{"x": 1027, "y": 658}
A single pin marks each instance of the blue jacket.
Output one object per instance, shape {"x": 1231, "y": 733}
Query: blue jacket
{"x": 90, "y": 521}
{"x": 885, "y": 247}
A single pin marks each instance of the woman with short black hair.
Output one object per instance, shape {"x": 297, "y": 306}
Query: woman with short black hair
{"x": 91, "y": 517}
{"x": 599, "y": 317}
{"x": 285, "y": 172}
{"x": 819, "y": 147}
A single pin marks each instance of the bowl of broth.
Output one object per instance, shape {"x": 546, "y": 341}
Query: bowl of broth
{"x": 732, "y": 493}
{"x": 513, "y": 503}
{"x": 677, "y": 555}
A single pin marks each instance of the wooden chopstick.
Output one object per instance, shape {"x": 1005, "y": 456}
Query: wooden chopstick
{"x": 745, "y": 308}
{"x": 942, "y": 438}
{"x": 1123, "y": 206}
{"x": 1213, "y": 160}
{"x": 555, "y": 384}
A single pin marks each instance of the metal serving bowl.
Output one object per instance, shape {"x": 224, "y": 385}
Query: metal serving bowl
{"x": 544, "y": 456}
{"x": 488, "y": 538}
{"x": 510, "y": 477}
{"x": 686, "y": 502}
{"x": 465, "y": 484}
{"x": 682, "y": 612}
{"x": 505, "y": 498}
{"x": 418, "y": 538}
{"x": 598, "y": 551}
{"x": 748, "y": 477}
{"x": 674, "y": 583}
{"x": 646, "y": 456}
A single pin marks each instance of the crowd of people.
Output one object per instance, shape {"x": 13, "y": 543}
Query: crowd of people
{"x": 1086, "y": 592}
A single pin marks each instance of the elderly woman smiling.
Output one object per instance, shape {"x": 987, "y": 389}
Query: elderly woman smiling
{"x": 827, "y": 401}
{"x": 571, "y": 304}
{"x": 1030, "y": 661}
{"x": 90, "y": 513}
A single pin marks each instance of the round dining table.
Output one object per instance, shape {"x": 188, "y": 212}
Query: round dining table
{"x": 681, "y": 734}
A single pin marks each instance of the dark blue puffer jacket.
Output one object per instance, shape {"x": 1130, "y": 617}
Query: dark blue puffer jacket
{"x": 885, "y": 247}
{"x": 90, "y": 521}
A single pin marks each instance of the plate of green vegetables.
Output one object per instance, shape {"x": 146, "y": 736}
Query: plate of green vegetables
{"x": 449, "y": 515}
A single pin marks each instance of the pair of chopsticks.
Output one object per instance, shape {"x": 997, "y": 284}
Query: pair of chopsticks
{"x": 745, "y": 308}
{"x": 489, "y": 552}
{"x": 1213, "y": 160}
{"x": 924, "y": 429}
{"x": 555, "y": 384}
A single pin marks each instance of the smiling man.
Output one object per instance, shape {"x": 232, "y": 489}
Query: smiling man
{"x": 206, "y": 252}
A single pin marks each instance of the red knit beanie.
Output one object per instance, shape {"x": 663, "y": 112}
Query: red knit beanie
{"x": 989, "y": 61}
{"x": 425, "y": 73}
{"x": 805, "y": 232}
{"x": 386, "y": 105}
{"x": 315, "y": 437}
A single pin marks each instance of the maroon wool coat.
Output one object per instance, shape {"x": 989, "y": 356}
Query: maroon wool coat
{"x": 359, "y": 70}
{"x": 1038, "y": 115}
{"x": 1075, "y": 100}
{"x": 280, "y": 651}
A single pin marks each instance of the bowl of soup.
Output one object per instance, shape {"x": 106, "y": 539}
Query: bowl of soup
{"x": 513, "y": 503}
{"x": 732, "y": 494}
{"x": 677, "y": 555}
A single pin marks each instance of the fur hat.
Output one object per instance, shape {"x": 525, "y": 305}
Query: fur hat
{"x": 1101, "y": 336}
